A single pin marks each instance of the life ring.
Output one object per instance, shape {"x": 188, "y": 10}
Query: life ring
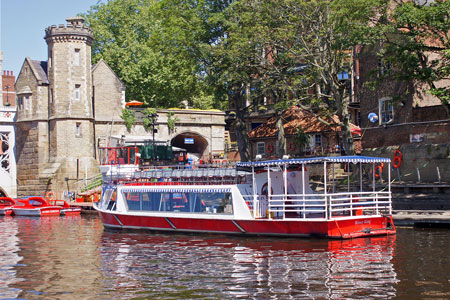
{"x": 397, "y": 162}
{"x": 379, "y": 167}
{"x": 292, "y": 146}
{"x": 270, "y": 148}
{"x": 397, "y": 159}
{"x": 49, "y": 196}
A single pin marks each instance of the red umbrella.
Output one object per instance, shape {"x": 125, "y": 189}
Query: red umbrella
{"x": 134, "y": 103}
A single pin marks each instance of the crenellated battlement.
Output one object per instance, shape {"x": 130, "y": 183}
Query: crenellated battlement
{"x": 74, "y": 30}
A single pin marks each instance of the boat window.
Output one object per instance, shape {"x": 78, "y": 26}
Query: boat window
{"x": 198, "y": 202}
{"x": 109, "y": 199}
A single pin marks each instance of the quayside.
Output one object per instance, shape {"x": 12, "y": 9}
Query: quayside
{"x": 290, "y": 197}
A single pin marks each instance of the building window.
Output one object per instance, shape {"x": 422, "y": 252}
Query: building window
{"x": 51, "y": 96}
{"x": 318, "y": 140}
{"x": 77, "y": 91}
{"x": 261, "y": 148}
{"x": 20, "y": 100}
{"x": 76, "y": 57}
{"x": 27, "y": 102}
{"x": 77, "y": 129}
{"x": 386, "y": 110}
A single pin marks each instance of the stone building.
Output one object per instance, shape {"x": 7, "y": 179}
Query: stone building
{"x": 58, "y": 101}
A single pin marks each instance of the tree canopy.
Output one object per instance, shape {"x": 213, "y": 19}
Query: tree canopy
{"x": 417, "y": 39}
{"x": 155, "y": 48}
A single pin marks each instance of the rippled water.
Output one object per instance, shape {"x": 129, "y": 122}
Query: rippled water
{"x": 75, "y": 258}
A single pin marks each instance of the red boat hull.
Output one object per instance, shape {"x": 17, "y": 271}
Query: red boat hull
{"x": 344, "y": 228}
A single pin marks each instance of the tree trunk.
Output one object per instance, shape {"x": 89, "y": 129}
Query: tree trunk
{"x": 281, "y": 138}
{"x": 240, "y": 126}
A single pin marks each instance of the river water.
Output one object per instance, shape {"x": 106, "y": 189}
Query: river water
{"x": 75, "y": 258}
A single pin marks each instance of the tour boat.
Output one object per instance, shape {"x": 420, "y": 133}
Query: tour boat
{"x": 35, "y": 207}
{"x": 5, "y": 206}
{"x": 67, "y": 209}
{"x": 286, "y": 197}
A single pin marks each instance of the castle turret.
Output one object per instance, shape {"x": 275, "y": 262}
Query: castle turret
{"x": 70, "y": 90}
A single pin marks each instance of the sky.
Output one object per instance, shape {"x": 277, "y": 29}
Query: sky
{"x": 23, "y": 24}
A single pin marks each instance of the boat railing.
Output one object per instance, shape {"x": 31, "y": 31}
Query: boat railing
{"x": 176, "y": 176}
{"x": 320, "y": 206}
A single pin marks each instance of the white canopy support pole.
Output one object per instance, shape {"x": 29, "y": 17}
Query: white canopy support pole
{"x": 373, "y": 177}
{"x": 389, "y": 188}
{"x": 360, "y": 177}
{"x": 334, "y": 175}
{"x": 269, "y": 189}
{"x": 327, "y": 215}
{"x": 303, "y": 189}
{"x": 285, "y": 183}
{"x": 348, "y": 177}
{"x": 255, "y": 195}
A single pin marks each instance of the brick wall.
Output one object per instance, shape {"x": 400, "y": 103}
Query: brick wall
{"x": 9, "y": 94}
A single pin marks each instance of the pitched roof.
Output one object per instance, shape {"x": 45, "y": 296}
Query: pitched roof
{"x": 295, "y": 117}
{"x": 40, "y": 70}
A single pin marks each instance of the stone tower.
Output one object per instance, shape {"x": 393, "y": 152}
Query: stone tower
{"x": 70, "y": 109}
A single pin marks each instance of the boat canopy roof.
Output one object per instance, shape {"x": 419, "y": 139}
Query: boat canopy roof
{"x": 311, "y": 160}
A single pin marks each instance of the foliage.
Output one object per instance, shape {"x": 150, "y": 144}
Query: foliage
{"x": 155, "y": 47}
{"x": 418, "y": 44}
{"x": 171, "y": 121}
{"x": 293, "y": 52}
{"x": 129, "y": 117}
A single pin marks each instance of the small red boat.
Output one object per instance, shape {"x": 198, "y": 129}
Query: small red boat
{"x": 67, "y": 209}
{"x": 6, "y": 204}
{"x": 36, "y": 207}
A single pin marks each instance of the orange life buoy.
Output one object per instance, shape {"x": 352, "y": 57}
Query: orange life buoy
{"x": 49, "y": 196}
{"x": 270, "y": 148}
{"x": 379, "y": 167}
{"x": 397, "y": 159}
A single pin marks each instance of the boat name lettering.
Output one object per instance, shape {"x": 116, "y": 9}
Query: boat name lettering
{"x": 362, "y": 222}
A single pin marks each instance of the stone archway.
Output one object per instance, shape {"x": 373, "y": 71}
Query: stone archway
{"x": 192, "y": 142}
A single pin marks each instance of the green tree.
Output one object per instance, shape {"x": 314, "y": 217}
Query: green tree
{"x": 417, "y": 39}
{"x": 155, "y": 47}
{"x": 294, "y": 52}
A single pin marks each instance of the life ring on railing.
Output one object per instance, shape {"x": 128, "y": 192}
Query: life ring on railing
{"x": 49, "y": 196}
{"x": 291, "y": 146}
{"x": 270, "y": 148}
{"x": 379, "y": 167}
{"x": 397, "y": 159}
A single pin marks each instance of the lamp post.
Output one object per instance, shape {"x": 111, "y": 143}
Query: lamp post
{"x": 7, "y": 95}
{"x": 153, "y": 117}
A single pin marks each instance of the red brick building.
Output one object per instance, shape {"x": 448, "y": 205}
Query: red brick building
{"x": 406, "y": 113}
{"x": 9, "y": 93}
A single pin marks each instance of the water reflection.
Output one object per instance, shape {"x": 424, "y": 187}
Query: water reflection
{"x": 9, "y": 258}
{"x": 177, "y": 266}
{"x": 58, "y": 255}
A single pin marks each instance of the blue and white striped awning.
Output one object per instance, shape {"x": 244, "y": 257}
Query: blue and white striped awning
{"x": 158, "y": 189}
{"x": 332, "y": 159}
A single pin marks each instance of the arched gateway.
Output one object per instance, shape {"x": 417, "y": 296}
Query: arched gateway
{"x": 192, "y": 142}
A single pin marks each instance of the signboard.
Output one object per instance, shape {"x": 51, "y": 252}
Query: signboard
{"x": 189, "y": 141}
{"x": 416, "y": 138}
